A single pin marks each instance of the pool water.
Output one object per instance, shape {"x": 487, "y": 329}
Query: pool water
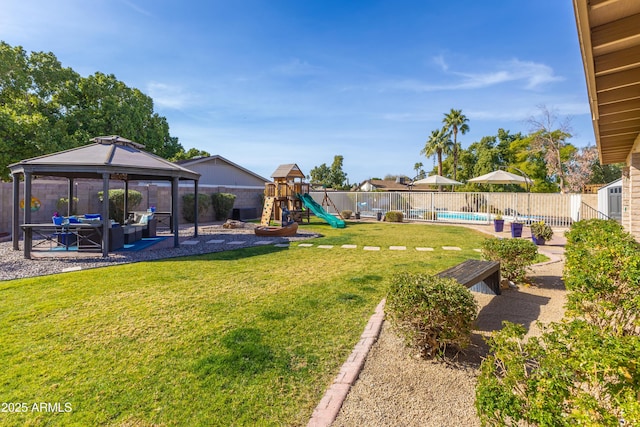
{"x": 460, "y": 216}
{"x": 465, "y": 216}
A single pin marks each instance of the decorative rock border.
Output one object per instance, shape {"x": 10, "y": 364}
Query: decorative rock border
{"x": 329, "y": 406}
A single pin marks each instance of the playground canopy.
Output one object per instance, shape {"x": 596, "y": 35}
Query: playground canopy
{"x": 109, "y": 157}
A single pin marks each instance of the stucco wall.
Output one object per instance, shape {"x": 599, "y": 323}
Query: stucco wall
{"x": 50, "y": 191}
{"x": 631, "y": 195}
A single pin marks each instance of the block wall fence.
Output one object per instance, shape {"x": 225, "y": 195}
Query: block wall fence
{"x": 158, "y": 195}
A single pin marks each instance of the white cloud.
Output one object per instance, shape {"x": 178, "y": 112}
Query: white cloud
{"x": 168, "y": 96}
{"x": 439, "y": 60}
{"x": 530, "y": 74}
{"x": 137, "y": 8}
{"x": 297, "y": 67}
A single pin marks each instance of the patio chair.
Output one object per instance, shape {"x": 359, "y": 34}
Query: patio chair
{"x": 147, "y": 223}
{"x": 62, "y": 235}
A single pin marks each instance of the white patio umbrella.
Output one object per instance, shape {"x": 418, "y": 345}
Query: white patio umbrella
{"x": 501, "y": 177}
{"x": 504, "y": 177}
{"x": 437, "y": 180}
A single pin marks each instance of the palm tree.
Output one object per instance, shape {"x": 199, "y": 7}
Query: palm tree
{"x": 418, "y": 168}
{"x": 456, "y": 122}
{"x": 439, "y": 142}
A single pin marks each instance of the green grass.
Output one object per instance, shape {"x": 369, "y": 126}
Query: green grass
{"x": 245, "y": 337}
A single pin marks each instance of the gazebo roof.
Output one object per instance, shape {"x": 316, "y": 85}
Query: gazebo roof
{"x": 117, "y": 156}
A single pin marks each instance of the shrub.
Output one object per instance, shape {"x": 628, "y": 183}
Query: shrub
{"x": 346, "y": 214}
{"x": 222, "y": 204}
{"x": 430, "y": 215}
{"x": 116, "y": 202}
{"x": 607, "y": 293}
{"x": 584, "y": 370}
{"x": 204, "y": 202}
{"x": 574, "y": 374}
{"x": 541, "y": 230}
{"x": 515, "y": 256}
{"x": 430, "y": 312}
{"x": 63, "y": 203}
{"x": 393, "y": 216}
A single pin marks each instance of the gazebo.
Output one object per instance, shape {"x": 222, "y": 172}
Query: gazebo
{"x": 108, "y": 158}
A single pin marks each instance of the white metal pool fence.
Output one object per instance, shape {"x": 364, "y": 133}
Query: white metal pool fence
{"x": 557, "y": 210}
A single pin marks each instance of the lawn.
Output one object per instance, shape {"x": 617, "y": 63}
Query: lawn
{"x": 245, "y": 337}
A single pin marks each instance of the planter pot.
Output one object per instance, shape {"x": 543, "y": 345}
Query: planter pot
{"x": 498, "y": 225}
{"x": 516, "y": 229}
{"x": 357, "y": 215}
{"x": 379, "y": 216}
{"x": 538, "y": 240}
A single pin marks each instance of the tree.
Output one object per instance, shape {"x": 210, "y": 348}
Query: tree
{"x": 331, "y": 177}
{"x": 456, "y": 122}
{"x": 419, "y": 171}
{"x": 552, "y": 143}
{"x": 320, "y": 174}
{"x": 45, "y": 108}
{"x": 604, "y": 174}
{"x": 580, "y": 168}
{"x": 439, "y": 143}
{"x": 192, "y": 153}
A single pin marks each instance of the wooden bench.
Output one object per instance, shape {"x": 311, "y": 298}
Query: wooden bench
{"x": 473, "y": 271}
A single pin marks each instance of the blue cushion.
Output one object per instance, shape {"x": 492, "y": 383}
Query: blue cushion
{"x": 73, "y": 220}
{"x": 57, "y": 220}
{"x": 93, "y": 216}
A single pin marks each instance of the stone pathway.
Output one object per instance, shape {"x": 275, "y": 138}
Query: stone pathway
{"x": 311, "y": 245}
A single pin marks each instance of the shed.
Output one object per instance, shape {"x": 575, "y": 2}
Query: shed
{"x": 610, "y": 200}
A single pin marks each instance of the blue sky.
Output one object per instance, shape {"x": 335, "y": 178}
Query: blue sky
{"x": 266, "y": 82}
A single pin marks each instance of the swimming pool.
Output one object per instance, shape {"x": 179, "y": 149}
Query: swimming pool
{"x": 463, "y": 216}
{"x": 448, "y": 215}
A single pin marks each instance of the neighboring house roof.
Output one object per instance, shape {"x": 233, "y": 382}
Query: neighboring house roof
{"x": 290, "y": 170}
{"x": 391, "y": 185}
{"x": 217, "y": 170}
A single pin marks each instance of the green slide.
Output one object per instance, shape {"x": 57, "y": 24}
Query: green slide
{"x": 320, "y": 212}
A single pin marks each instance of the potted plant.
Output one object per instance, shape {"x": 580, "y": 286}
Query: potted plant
{"x": 498, "y": 223}
{"x": 516, "y": 229}
{"x": 541, "y": 232}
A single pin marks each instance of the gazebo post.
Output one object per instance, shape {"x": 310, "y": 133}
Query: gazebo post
{"x": 174, "y": 212}
{"x": 195, "y": 207}
{"x": 70, "y": 197}
{"x": 15, "y": 213}
{"x": 106, "y": 224}
{"x": 126, "y": 201}
{"x": 27, "y": 198}
{"x": 27, "y": 214}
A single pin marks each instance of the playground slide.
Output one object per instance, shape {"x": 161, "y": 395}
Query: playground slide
{"x": 320, "y": 212}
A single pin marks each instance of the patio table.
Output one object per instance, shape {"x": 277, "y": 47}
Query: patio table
{"x": 88, "y": 235}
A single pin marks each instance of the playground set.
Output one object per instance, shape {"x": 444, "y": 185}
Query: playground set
{"x": 287, "y": 199}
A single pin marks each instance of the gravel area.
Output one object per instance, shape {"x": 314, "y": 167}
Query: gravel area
{"x": 13, "y": 265}
{"x": 395, "y": 388}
